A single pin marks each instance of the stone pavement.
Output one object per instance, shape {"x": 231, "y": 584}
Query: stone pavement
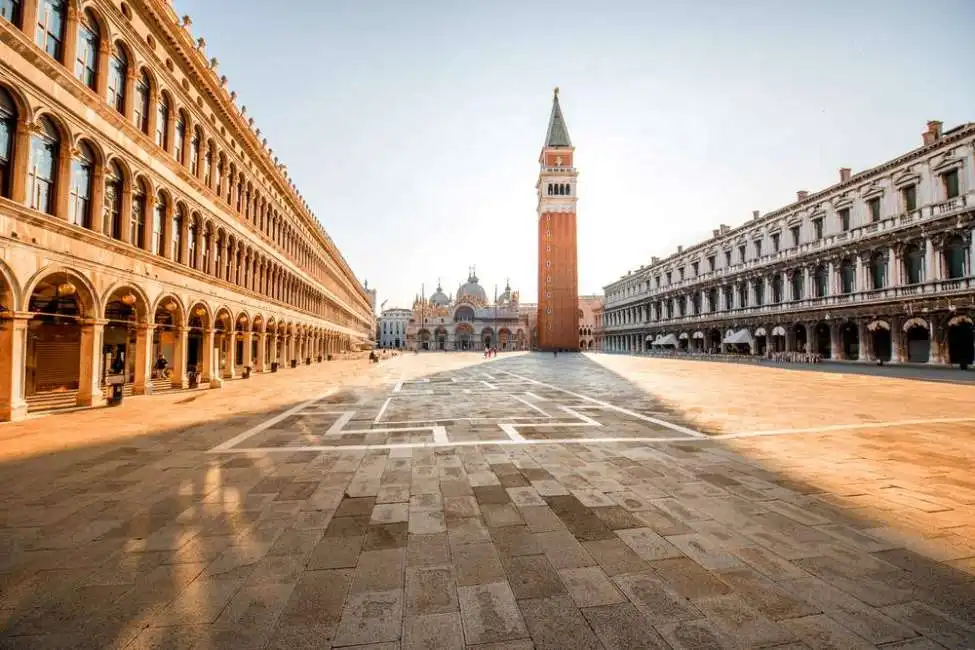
{"x": 414, "y": 505}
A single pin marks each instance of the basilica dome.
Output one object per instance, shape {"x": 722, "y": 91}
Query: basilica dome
{"x": 472, "y": 290}
{"x": 439, "y": 298}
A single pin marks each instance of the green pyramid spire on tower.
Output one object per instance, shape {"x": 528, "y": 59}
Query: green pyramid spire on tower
{"x": 558, "y": 132}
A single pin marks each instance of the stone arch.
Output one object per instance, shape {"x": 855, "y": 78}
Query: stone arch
{"x": 11, "y": 297}
{"x": 200, "y": 315}
{"x": 915, "y": 322}
{"x": 259, "y": 325}
{"x": 120, "y": 292}
{"x": 178, "y": 311}
{"x": 25, "y": 111}
{"x": 243, "y": 321}
{"x": 87, "y": 295}
{"x": 222, "y": 316}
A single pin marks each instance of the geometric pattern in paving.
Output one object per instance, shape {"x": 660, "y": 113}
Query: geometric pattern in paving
{"x": 685, "y": 543}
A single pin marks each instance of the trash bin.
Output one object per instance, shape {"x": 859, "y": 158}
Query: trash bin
{"x": 307, "y": 361}
{"x": 294, "y": 363}
{"x": 329, "y": 357}
{"x": 117, "y": 382}
{"x": 319, "y": 358}
{"x": 274, "y": 366}
{"x": 247, "y": 372}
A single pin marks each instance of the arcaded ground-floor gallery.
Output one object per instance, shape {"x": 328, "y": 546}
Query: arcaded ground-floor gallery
{"x": 63, "y": 331}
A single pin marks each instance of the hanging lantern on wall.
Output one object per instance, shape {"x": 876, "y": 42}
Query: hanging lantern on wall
{"x": 171, "y": 306}
{"x": 66, "y": 289}
{"x": 128, "y": 299}
{"x": 200, "y": 311}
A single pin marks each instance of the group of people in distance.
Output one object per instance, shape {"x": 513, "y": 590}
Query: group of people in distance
{"x": 490, "y": 352}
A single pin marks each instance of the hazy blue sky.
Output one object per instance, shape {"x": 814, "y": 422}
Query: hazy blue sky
{"x": 414, "y": 128}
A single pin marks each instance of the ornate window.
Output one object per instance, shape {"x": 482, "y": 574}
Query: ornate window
{"x": 10, "y": 10}
{"x": 140, "y": 108}
{"x": 950, "y": 181}
{"x": 86, "y": 57}
{"x": 848, "y": 276}
{"x": 218, "y": 176}
{"x": 821, "y": 281}
{"x": 82, "y": 174}
{"x": 49, "y": 33}
{"x": 913, "y": 264}
{"x": 759, "y": 292}
{"x": 162, "y": 122}
{"x": 818, "y": 228}
{"x": 191, "y": 244}
{"x": 45, "y": 149}
{"x": 113, "y": 201}
{"x": 118, "y": 70}
{"x": 909, "y": 197}
{"x": 208, "y": 167}
{"x": 713, "y": 299}
{"x": 179, "y": 138}
{"x": 158, "y": 243}
{"x": 205, "y": 243}
{"x": 798, "y": 284}
{"x": 195, "y": 151}
{"x": 844, "y": 215}
{"x": 777, "y": 288}
{"x": 8, "y": 128}
{"x": 743, "y": 295}
{"x": 878, "y": 270}
{"x": 137, "y": 220}
{"x": 955, "y": 254}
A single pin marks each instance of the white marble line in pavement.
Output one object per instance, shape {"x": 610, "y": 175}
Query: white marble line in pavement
{"x": 613, "y": 407}
{"x": 270, "y": 422}
{"x": 530, "y": 405}
{"x": 379, "y": 416}
{"x": 339, "y": 424}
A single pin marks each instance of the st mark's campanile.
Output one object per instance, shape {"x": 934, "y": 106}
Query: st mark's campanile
{"x": 558, "y": 278}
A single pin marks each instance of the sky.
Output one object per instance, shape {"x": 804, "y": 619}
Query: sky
{"x": 413, "y": 129}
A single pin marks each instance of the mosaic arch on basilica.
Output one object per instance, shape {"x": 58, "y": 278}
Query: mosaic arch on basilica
{"x": 142, "y": 213}
{"x": 880, "y": 266}
{"x": 469, "y": 321}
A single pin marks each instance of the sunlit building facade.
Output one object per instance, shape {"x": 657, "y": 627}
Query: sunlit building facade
{"x": 142, "y": 214}
{"x": 876, "y": 267}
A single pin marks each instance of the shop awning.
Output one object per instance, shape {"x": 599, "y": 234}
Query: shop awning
{"x": 669, "y": 339}
{"x": 742, "y": 336}
{"x": 778, "y": 331}
{"x": 699, "y": 334}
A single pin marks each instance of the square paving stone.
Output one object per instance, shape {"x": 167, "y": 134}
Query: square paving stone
{"x": 373, "y": 617}
{"x": 933, "y": 624}
{"x": 427, "y": 550}
{"x": 490, "y": 614}
{"x": 393, "y": 494}
{"x": 821, "y": 631}
{"x": 765, "y": 595}
{"x": 589, "y": 587}
{"x": 557, "y": 623}
{"x": 499, "y": 515}
{"x": 652, "y": 597}
{"x": 525, "y": 496}
{"x": 430, "y": 590}
{"x": 689, "y": 579}
{"x": 460, "y": 507}
{"x": 390, "y": 513}
{"x": 705, "y": 551}
{"x": 615, "y": 557}
{"x": 317, "y": 598}
{"x": 379, "y": 571}
{"x": 336, "y": 553}
{"x": 347, "y": 526}
{"x": 477, "y": 564}
{"x": 623, "y": 627}
{"x": 385, "y": 537}
{"x": 617, "y": 518}
{"x": 297, "y": 491}
{"x": 467, "y": 531}
{"x": 427, "y": 522}
{"x": 700, "y": 634}
{"x": 433, "y": 632}
{"x": 515, "y": 540}
{"x": 540, "y": 519}
{"x": 731, "y": 616}
{"x": 563, "y": 550}
{"x": 532, "y": 576}
{"x": 648, "y": 544}
{"x": 491, "y": 494}
{"x": 428, "y": 502}
{"x": 356, "y": 507}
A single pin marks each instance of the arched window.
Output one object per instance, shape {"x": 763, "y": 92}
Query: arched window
{"x": 712, "y": 301}
{"x": 137, "y": 219}
{"x": 45, "y": 149}
{"x": 191, "y": 243}
{"x": 140, "y": 108}
{"x": 798, "y": 285}
{"x": 208, "y": 167}
{"x": 913, "y": 264}
{"x": 176, "y": 235}
{"x": 10, "y": 11}
{"x": 848, "y": 274}
{"x": 157, "y": 243}
{"x": 162, "y": 121}
{"x": 568, "y": 190}
{"x": 82, "y": 174}
{"x": 878, "y": 270}
{"x": 777, "y": 288}
{"x": 118, "y": 70}
{"x": 550, "y": 189}
{"x": 205, "y": 243}
{"x": 821, "y": 281}
{"x": 113, "y": 201}
{"x": 49, "y": 33}
{"x": 954, "y": 252}
{"x": 8, "y": 128}
{"x": 240, "y": 194}
{"x": 179, "y": 137}
{"x": 86, "y": 56}
{"x": 218, "y": 176}
{"x": 195, "y": 151}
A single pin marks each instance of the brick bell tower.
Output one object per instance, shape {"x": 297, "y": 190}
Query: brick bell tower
{"x": 558, "y": 277}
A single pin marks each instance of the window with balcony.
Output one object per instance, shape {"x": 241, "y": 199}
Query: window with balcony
{"x": 727, "y": 259}
{"x": 743, "y": 295}
{"x": 878, "y": 270}
{"x": 777, "y": 288}
{"x": 796, "y": 231}
{"x": 759, "y": 292}
{"x": 758, "y": 248}
{"x": 909, "y": 198}
{"x": 697, "y": 303}
{"x": 775, "y": 242}
{"x": 848, "y": 273}
{"x": 680, "y": 274}
{"x": 729, "y": 298}
{"x": 950, "y": 182}
{"x": 695, "y": 267}
{"x": 954, "y": 252}
{"x": 656, "y": 281}
{"x": 711, "y": 263}
{"x": 798, "y": 285}
{"x": 818, "y": 228}
{"x": 913, "y": 264}
{"x": 821, "y": 281}
{"x": 668, "y": 276}
{"x": 873, "y": 206}
{"x": 741, "y": 253}
{"x": 844, "y": 215}
{"x": 713, "y": 303}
